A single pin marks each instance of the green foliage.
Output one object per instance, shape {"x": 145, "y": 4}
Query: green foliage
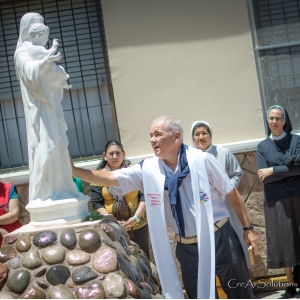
{"x": 93, "y": 216}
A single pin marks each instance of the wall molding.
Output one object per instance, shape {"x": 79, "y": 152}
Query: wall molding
{"x": 22, "y": 177}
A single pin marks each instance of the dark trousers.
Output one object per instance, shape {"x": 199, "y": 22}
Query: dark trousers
{"x": 141, "y": 237}
{"x": 231, "y": 266}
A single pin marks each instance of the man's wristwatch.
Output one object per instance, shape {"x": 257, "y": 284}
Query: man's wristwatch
{"x": 249, "y": 228}
{"x": 136, "y": 218}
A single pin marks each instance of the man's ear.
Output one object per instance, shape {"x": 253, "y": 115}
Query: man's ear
{"x": 177, "y": 135}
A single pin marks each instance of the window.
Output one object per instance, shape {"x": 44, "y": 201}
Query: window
{"x": 88, "y": 106}
{"x": 275, "y": 26}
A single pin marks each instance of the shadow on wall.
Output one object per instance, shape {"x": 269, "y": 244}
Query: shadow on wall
{"x": 172, "y": 21}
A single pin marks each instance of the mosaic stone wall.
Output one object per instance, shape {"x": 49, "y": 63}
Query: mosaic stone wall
{"x": 251, "y": 190}
{"x": 93, "y": 260}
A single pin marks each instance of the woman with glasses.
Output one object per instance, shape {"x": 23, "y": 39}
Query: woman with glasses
{"x": 278, "y": 163}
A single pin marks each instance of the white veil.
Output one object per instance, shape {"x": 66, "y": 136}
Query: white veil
{"x": 26, "y": 21}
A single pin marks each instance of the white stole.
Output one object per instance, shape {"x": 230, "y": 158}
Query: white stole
{"x": 153, "y": 180}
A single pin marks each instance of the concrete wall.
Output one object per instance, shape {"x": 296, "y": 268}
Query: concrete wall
{"x": 188, "y": 58}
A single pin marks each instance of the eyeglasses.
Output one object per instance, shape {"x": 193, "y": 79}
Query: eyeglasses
{"x": 276, "y": 118}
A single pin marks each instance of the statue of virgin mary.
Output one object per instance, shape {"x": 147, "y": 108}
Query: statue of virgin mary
{"x": 49, "y": 163}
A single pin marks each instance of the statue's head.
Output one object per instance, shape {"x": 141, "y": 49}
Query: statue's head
{"x": 26, "y": 21}
{"x": 38, "y": 34}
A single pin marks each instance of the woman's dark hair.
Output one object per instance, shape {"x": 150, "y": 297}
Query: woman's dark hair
{"x": 200, "y": 124}
{"x": 103, "y": 162}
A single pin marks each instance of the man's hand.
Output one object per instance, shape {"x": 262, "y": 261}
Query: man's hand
{"x": 238, "y": 205}
{"x": 251, "y": 239}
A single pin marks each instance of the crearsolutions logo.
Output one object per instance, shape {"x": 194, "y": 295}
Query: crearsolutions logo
{"x": 261, "y": 283}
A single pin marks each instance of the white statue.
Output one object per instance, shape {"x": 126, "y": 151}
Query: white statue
{"x": 42, "y": 83}
{"x": 39, "y": 34}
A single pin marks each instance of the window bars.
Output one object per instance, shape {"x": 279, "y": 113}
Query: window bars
{"x": 89, "y": 107}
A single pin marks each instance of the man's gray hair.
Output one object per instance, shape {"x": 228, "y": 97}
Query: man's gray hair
{"x": 172, "y": 125}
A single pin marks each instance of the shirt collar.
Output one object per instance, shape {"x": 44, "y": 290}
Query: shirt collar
{"x": 279, "y": 137}
{"x": 178, "y": 168}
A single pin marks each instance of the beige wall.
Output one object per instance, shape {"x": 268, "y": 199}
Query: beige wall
{"x": 189, "y": 58}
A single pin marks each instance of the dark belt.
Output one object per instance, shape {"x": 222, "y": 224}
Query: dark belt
{"x": 193, "y": 239}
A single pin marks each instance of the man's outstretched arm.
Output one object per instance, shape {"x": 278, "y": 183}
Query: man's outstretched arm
{"x": 100, "y": 177}
{"x": 238, "y": 206}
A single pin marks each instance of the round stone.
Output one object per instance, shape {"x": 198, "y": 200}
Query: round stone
{"x": 132, "y": 289}
{"x": 141, "y": 255}
{"x": 31, "y": 260}
{"x": 14, "y": 263}
{"x": 54, "y": 254}
{"x": 23, "y": 243}
{"x": 105, "y": 260}
{"x": 89, "y": 240}
{"x": 40, "y": 272}
{"x": 145, "y": 294}
{"x": 124, "y": 232}
{"x": 106, "y": 239}
{"x": 109, "y": 231}
{"x": 9, "y": 239}
{"x": 154, "y": 272}
{"x": 77, "y": 257}
{"x": 33, "y": 293}
{"x": 90, "y": 290}
{"x": 18, "y": 281}
{"x": 132, "y": 249}
{"x": 153, "y": 285}
{"x": 121, "y": 249}
{"x": 135, "y": 263}
{"x": 128, "y": 269}
{"x": 147, "y": 287}
{"x": 58, "y": 274}
{"x": 3, "y": 273}
{"x": 60, "y": 292}
{"x": 114, "y": 286}
{"x": 83, "y": 274}
{"x": 117, "y": 230}
{"x": 42, "y": 283}
{"x": 6, "y": 253}
{"x": 68, "y": 238}
{"x": 144, "y": 269}
{"x": 44, "y": 238}
{"x": 125, "y": 245}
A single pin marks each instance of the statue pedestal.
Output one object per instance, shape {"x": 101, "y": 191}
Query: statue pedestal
{"x": 48, "y": 213}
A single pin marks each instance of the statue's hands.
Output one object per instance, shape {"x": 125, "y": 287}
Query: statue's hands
{"x": 52, "y": 58}
{"x": 55, "y": 43}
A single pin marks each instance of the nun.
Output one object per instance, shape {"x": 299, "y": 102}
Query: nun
{"x": 278, "y": 164}
{"x": 202, "y": 139}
